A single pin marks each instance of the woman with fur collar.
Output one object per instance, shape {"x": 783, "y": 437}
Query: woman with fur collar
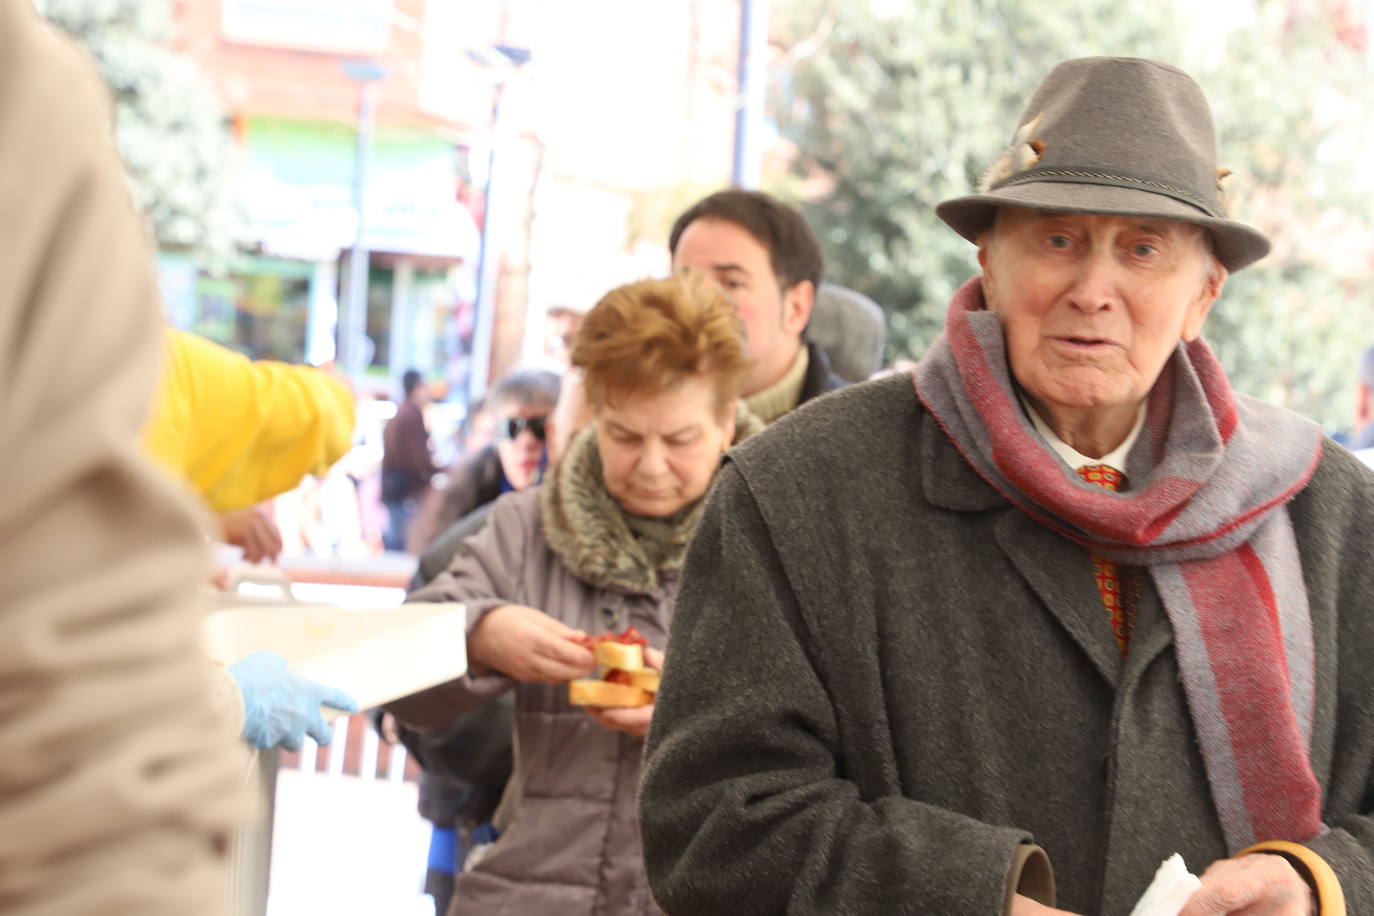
{"x": 598, "y": 547}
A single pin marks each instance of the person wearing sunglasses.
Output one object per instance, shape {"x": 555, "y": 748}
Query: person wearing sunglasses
{"x": 522, "y": 402}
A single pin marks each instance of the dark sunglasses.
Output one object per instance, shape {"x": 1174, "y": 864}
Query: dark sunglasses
{"x": 513, "y": 427}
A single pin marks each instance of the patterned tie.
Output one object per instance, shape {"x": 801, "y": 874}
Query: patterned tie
{"x": 1120, "y": 612}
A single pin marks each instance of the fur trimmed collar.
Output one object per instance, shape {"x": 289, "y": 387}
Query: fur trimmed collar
{"x": 589, "y": 531}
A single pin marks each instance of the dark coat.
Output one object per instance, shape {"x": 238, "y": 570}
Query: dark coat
{"x": 819, "y": 379}
{"x": 883, "y": 679}
{"x": 473, "y": 482}
{"x": 407, "y": 464}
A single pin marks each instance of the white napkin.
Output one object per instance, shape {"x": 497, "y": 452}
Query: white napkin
{"x": 1169, "y": 891}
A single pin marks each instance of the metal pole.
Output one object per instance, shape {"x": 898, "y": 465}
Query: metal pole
{"x": 487, "y": 263}
{"x": 753, "y": 39}
{"x": 353, "y": 325}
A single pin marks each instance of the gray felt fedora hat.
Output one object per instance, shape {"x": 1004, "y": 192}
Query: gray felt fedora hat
{"x": 1115, "y": 135}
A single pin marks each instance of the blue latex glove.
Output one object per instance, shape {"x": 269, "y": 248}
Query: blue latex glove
{"x": 280, "y": 708}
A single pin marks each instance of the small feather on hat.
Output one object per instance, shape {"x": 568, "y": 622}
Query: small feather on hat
{"x": 1023, "y": 152}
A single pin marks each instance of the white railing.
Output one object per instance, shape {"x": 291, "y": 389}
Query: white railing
{"x": 347, "y": 840}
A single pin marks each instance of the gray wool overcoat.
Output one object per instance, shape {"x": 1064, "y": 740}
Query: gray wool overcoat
{"x": 883, "y": 679}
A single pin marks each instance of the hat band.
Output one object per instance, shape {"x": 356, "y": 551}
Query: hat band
{"x": 1112, "y": 179}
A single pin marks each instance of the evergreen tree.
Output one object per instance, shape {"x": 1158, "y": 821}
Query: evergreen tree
{"x": 169, "y": 123}
{"x": 903, "y": 105}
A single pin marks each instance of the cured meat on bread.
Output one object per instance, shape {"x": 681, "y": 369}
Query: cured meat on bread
{"x": 624, "y": 680}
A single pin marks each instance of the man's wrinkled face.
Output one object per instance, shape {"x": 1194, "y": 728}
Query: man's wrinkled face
{"x": 1093, "y": 305}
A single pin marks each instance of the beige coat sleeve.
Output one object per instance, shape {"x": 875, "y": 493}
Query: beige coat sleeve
{"x": 119, "y": 780}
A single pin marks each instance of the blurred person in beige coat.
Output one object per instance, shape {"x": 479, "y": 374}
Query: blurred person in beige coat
{"x": 120, "y": 779}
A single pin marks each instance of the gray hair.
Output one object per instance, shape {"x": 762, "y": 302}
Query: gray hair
{"x": 526, "y": 388}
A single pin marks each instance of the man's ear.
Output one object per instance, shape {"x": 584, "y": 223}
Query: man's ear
{"x": 984, "y": 244}
{"x": 1207, "y": 297}
{"x": 728, "y": 422}
{"x": 797, "y": 303}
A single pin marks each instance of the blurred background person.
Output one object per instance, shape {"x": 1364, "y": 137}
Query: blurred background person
{"x": 407, "y": 463}
{"x": 478, "y": 429}
{"x": 1363, "y": 435}
{"x": 239, "y": 431}
{"x": 468, "y": 762}
{"x": 568, "y": 418}
{"x": 562, "y": 322}
{"x": 851, "y": 329}
{"x": 520, "y": 403}
{"x": 598, "y": 547}
{"x": 119, "y": 782}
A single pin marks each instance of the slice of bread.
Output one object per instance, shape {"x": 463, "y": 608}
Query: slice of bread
{"x": 604, "y": 693}
{"x": 645, "y": 679}
{"x": 619, "y": 655}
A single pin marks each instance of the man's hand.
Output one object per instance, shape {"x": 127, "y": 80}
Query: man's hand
{"x": 528, "y": 645}
{"x": 1259, "y": 884}
{"x": 1024, "y": 906}
{"x": 632, "y": 720}
{"x": 253, "y": 531}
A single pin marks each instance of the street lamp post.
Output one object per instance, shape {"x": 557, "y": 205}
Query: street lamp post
{"x": 508, "y": 59}
{"x": 353, "y": 317}
{"x": 753, "y": 46}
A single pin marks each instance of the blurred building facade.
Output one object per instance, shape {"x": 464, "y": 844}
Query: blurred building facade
{"x": 279, "y": 68}
{"x": 622, "y": 114}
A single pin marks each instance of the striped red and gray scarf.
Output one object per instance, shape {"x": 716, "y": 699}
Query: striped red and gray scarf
{"x": 1206, "y": 512}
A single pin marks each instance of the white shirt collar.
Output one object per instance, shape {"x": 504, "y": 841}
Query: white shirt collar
{"x": 1075, "y": 459}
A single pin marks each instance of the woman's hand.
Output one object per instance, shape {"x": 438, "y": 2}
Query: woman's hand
{"x": 528, "y": 645}
{"x": 1024, "y": 906}
{"x": 1259, "y": 884}
{"x": 632, "y": 720}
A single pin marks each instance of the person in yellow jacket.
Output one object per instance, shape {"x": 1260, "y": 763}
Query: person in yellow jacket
{"x": 241, "y": 431}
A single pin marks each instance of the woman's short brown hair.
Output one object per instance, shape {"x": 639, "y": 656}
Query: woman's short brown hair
{"x": 646, "y": 337}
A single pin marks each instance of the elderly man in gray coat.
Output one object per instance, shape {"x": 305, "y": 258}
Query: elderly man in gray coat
{"x": 1002, "y": 635}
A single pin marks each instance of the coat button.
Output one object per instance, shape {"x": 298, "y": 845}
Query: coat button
{"x": 611, "y": 619}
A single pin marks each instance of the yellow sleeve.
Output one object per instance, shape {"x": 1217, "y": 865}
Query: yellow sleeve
{"x": 165, "y": 433}
{"x": 241, "y": 431}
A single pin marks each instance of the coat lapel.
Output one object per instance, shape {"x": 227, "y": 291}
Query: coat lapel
{"x": 1059, "y": 572}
